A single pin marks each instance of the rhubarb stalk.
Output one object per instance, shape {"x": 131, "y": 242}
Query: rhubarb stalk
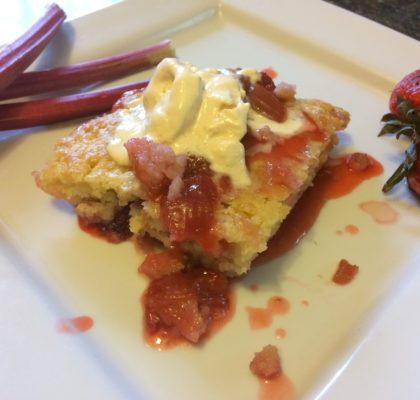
{"x": 17, "y": 56}
{"x": 46, "y": 111}
{"x": 77, "y": 75}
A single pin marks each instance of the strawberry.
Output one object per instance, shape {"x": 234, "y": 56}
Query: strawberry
{"x": 413, "y": 176}
{"x": 404, "y": 119}
{"x": 408, "y": 89}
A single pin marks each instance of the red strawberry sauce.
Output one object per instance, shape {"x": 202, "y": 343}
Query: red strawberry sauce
{"x": 75, "y": 325}
{"x": 262, "y": 317}
{"x": 186, "y": 304}
{"x": 116, "y": 231}
{"x": 336, "y": 179}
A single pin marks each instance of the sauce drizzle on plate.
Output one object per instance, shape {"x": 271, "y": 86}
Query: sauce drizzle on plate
{"x": 73, "y": 325}
{"x": 335, "y": 180}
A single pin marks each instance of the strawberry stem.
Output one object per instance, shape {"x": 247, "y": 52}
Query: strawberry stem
{"x": 402, "y": 171}
{"x": 406, "y": 123}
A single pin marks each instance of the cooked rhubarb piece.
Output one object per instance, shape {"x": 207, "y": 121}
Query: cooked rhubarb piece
{"x": 345, "y": 273}
{"x": 156, "y": 265}
{"x": 264, "y": 101}
{"x": 186, "y": 303}
{"x": 154, "y": 165}
{"x": 17, "y": 56}
{"x": 209, "y": 161}
{"x": 266, "y": 363}
{"x": 190, "y": 214}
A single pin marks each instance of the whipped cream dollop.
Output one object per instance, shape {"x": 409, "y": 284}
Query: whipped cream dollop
{"x": 199, "y": 112}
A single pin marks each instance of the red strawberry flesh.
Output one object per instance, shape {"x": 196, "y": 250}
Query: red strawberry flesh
{"x": 408, "y": 89}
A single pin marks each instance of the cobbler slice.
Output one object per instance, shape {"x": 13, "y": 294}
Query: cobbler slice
{"x": 209, "y": 162}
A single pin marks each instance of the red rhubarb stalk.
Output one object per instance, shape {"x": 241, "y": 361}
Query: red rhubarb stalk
{"x": 77, "y": 75}
{"x": 17, "y": 56}
{"x": 46, "y": 111}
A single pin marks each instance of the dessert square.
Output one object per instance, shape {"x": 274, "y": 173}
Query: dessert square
{"x": 209, "y": 162}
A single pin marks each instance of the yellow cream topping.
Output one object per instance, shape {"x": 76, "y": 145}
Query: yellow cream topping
{"x": 199, "y": 112}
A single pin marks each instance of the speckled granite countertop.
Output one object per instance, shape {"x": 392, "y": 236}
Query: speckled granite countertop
{"x": 400, "y": 15}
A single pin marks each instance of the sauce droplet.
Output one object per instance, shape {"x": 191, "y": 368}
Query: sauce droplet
{"x": 280, "y": 333}
{"x": 259, "y": 317}
{"x": 75, "y": 325}
{"x": 380, "y": 211}
{"x": 262, "y": 317}
{"x": 278, "y": 305}
{"x": 253, "y": 287}
{"x": 352, "y": 229}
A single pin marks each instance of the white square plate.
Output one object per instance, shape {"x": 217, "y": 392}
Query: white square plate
{"x": 330, "y": 54}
